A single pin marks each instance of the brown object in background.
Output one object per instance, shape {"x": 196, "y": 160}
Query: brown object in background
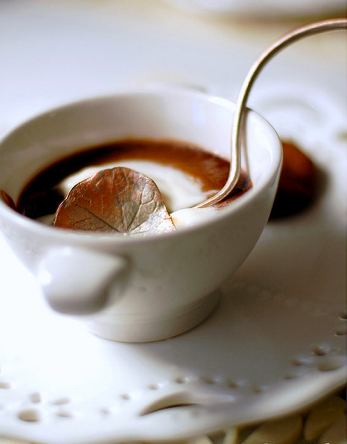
{"x": 297, "y": 187}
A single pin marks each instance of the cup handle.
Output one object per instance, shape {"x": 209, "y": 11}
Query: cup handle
{"x": 78, "y": 281}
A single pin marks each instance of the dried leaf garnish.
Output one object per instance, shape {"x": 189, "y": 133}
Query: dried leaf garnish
{"x": 7, "y": 199}
{"x": 115, "y": 200}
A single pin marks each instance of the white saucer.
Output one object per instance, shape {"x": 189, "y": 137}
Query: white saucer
{"x": 275, "y": 343}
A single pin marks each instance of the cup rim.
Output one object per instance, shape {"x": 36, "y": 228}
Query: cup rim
{"x": 60, "y": 234}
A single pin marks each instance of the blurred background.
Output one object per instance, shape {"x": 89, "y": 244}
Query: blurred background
{"x": 53, "y": 52}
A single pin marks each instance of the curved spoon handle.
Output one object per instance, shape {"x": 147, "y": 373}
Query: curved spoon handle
{"x": 240, "y": 110}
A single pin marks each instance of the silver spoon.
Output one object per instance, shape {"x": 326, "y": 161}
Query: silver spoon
{"x": 240, "y": 110}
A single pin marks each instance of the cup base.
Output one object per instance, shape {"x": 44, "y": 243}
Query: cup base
{"x": 154, "y": 329}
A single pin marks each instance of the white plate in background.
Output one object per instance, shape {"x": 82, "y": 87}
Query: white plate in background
{"x": 263, "y": 8}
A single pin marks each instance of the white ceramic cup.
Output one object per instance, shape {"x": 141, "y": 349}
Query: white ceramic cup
{"x": 130, "y": 288}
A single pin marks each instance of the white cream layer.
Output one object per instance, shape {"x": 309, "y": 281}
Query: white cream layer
{"x": 180, "y": 191}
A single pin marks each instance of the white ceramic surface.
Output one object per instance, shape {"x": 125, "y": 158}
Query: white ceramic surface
{"x": 275, "y": 344}
{"x": 149, "y": 287}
